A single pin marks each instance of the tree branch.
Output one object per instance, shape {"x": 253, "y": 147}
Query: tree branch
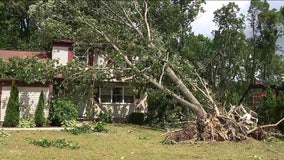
{"x": 163, "y": 69}
{"x": 193, "y": 104}
{"x": 130, "y": 21}
{"x": 146, "y": 21}
{"x": 266, "y": 126}
{"x": 207, "y": 94}
{"x": 137, "y": 10}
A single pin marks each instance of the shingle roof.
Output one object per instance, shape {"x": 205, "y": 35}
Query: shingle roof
{"x": 6, "y": 54}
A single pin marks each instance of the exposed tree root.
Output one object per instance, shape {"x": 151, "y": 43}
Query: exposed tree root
{"x": 227, "y": 127}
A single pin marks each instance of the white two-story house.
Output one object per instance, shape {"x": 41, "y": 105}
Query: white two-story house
{"x": 116, "y": 98}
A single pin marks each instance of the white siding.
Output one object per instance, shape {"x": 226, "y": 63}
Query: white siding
{"x": 4, "y": 101}
{"x": 28, "y": 95}
{"x": 116, "y": 110}
{"x": 99, "y": 60}
{"x": 61, "y": 54}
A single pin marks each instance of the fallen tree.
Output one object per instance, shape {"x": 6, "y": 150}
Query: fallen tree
{"x": 125, "y": 33}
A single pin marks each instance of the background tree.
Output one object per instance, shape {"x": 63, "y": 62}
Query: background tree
{"x": 16, "y": 29}
{"x": 39, "y": 118}
{"x": 229, "y": 42}
{"x": 173, "y": 18}
{"x": 12, "y": 114}
{"x": 264, "y": 24}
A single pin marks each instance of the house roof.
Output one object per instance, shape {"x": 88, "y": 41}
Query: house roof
{"x": 6, "y": 54}
{"x": 67, "y": 43}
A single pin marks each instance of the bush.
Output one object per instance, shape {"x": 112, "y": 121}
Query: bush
{"x": 26, "y": 123}
{"x": 39, "y": 114}
{"x": 136, "y": 118}
{"x": 271, "y": 109}
{"x": 279, "y": 111}
{"x": 69, "y": 123}
{"x": 104, "y": 117}
{"x": 164, "y": 112}
{"x": 267, "y": 108}
{"x": 60, "y": 111}
{"x": 12, "y": 115}
{"x": 100, "y": 127}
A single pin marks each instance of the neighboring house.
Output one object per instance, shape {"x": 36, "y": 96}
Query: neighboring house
{"x": 117, "y": 100}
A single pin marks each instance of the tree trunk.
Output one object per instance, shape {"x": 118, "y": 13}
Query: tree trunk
{"x": 196, "y": 106}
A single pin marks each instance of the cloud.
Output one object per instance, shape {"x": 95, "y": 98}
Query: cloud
{"x": 204, "y": 22}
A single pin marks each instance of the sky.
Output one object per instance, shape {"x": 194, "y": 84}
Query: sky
{"x": 204, "y": 24}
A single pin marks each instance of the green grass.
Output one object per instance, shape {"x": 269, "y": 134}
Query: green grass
{"x": 132, "y": 143}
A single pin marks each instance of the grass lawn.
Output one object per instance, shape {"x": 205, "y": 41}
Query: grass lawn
{"x": 132, "y": 143}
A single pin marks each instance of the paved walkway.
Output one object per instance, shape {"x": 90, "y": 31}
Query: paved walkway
{"x": 33, "y": 129}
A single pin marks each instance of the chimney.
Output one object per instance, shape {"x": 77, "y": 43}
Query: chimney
{"x": 62, "y": 51}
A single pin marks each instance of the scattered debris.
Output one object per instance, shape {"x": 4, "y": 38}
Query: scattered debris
{"x": 235, "y": 125}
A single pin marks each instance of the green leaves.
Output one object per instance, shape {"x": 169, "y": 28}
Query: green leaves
{"x": 28, "y": 69}
{"x": 60, "y": 111}
{"x": 266, "y": 29}
{"x": 87, "y": 128}
{"x": 59, "y": 143}
{"x": 4, "y": 134}
{"x": 228, "y": 47}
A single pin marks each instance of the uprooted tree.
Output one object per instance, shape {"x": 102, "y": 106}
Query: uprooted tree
{"x": 138, "y": 47}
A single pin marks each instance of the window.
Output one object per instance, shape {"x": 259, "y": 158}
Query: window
{"x": 105, "y": 95}
{"x": 116, "y": 95}
{"x": 128, "y": 96}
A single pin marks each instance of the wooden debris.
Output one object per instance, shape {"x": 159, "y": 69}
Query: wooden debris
{"x": 236, "y": 125}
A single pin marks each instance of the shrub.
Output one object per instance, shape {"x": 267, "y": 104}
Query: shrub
{"x": 164, "y": 112}
{"x": 279, "y": 111}
{"x": 104, "y": 117}
{"x": 39, "y": 113}
{"x": 100, "y": 127}
{"x": 136, "y": 118}
{"x": 267, "y": 108}
{"x": 69, "y": 123}
{"x": 60, "y": 111}
{"x": 26, "y": 123}
{"x": 271, "y": 109}
{"x": 12, "y": 115}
